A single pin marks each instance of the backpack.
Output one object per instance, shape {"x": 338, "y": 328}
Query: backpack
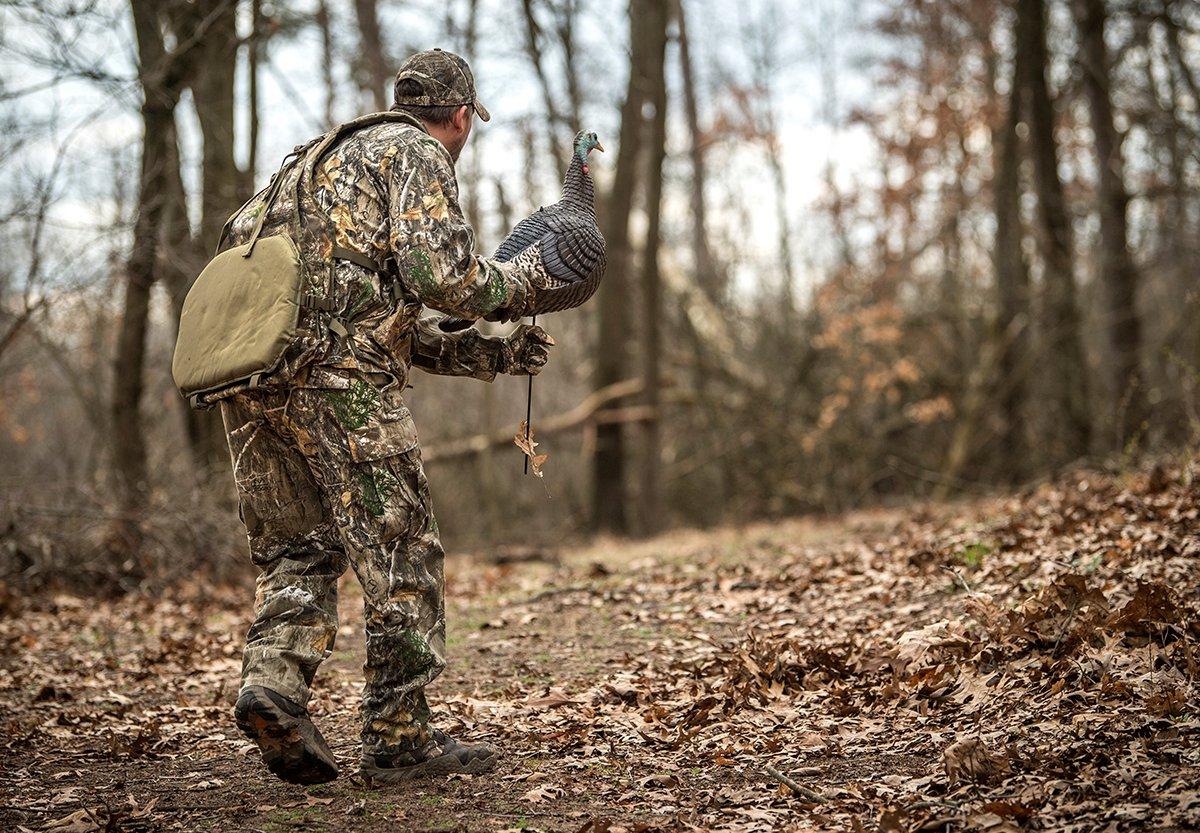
{"x": 252, "y": 305}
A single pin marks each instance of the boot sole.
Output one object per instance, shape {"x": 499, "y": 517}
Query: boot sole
{"x": 291, "y": 747}
{"x": 448, "y": 764}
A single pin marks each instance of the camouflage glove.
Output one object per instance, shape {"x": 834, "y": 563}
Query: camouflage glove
{"x": 519, "y": 307}
{"x": 524, "y": 351}
{"x": 503, "y": 315}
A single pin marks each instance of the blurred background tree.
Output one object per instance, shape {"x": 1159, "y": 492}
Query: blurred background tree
{"x": 858, "y": 253}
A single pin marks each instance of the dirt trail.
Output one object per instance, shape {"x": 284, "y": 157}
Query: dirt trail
{"x": 993, "y": 667}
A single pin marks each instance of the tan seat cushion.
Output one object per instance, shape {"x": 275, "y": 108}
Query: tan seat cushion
{"x": 239, "y": 316}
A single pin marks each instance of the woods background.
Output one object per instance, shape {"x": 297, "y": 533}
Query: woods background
{"x": 858, "y": 252}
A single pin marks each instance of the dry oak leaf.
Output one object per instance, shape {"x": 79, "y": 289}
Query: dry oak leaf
{"x": 542, "y": 792}
{"x": 970, "y": 759}
{"x": 1152, "y": 603}
{"x": 551, "y": 700}
{"x": 524, "y": 440}
{"x": 81, "y": 821}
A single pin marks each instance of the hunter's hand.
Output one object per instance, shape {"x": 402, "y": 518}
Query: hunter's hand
{"x": 525, "y": 351}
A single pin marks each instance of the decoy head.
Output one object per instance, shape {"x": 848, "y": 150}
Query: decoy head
{"x": 585, "y": 143}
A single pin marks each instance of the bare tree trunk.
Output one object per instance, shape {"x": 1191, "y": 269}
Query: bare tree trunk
{"x": 374, "y": 76}
{"x": 222, "y": 183}
{"x": 608, "y": 470}
{"x": 702, "y": 259}
{"x": 779, "y": 179}
{"x": 1177, "y": 216}
{"x": 254, "y": 48}
{"x": 999, "y": 373}
{"x": 961, "y": 346}
{"x": 529, "y": 179}
{"x": 179, "y": 262}
{"x": 325, "y": 24}
{"x": 469, "y": 165}
{"x": 212, "y": 89}
{"x": 162, "y": 75}
{"x": 504, "y": 210}
{"x": 534, "y": 50}
{"x": 1070, "y": 420}
{"x": 565, "y": 19}
{"x": 652, "y": 513}
{"x": 1182, "y": 75}
{"x": 1117, "y": 273}
{"x": 1012, "y": 286}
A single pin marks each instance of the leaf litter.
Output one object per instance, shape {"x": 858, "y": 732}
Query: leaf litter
{"x": 1026, "y": 663}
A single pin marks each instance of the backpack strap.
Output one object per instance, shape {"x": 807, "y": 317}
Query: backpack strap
{"x": 355, "y": 256}
{"x": 343, "y": 130}
{"x": 268, "y": 201}
{"x": 269, "y": 194}
{"x": 322, "y": 143}
{"x": 313, "y": 157}
{"x": 310, "y": 155}
{"x": 225, "y": 229}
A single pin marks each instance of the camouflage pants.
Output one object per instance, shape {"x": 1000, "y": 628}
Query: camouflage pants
{"x": 327, "y": 477}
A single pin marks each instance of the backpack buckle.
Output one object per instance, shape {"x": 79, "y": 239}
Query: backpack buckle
{"x": 343, "y": 328}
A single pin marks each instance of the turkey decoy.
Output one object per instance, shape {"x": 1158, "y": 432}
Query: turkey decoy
{"x": 569, "y": 241}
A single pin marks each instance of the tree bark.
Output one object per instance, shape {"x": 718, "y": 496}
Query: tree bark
{"x": 534, "y": 51}
{"x": 1012, "y": 285}
{"x": 1070, "y": 420}
{"x": 254, "y": 49}
{"x": 222, "y": 185}
{"x": 468, "y": 167}
{"x": 1176, "y": 216}
{"x": 565, "y": 18}
{"x": 325, "y": 25}
{"x": 652, "y": 512}
{"x": 608, "y": 462}
{"x": 702, "y": 259}
{"x": 213, "y": 96}
{"x": 1117, "y": 272}
{"x": 788, "y": 270}
{"x": 179, "y": 261}
{"x": 374, "y": 77}
{"x": 162, "y": 75}
{"x": 1183, "y": 77}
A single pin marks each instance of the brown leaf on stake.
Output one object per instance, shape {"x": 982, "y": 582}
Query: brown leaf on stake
{"x": 524, "y": 440}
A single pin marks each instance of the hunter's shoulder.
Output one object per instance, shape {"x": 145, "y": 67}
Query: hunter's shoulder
{"x": 403, "y": 136}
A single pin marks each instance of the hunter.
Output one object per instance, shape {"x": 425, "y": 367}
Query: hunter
{"x": 328, "y": 466}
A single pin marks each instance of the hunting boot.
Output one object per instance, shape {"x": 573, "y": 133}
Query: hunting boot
{"x": 443, "y": 755}
{"x": 291, "y": 746}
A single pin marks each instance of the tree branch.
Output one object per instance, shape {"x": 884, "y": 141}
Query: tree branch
{"x": 591, "y": 409}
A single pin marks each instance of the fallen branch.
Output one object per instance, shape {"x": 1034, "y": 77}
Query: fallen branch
{"x": 592, "y": 408}
{"x": 634, "y": 413}
{"x": 811, "y": 795}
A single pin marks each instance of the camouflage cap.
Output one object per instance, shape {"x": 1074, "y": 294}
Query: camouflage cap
{"x": 445, "y": 79}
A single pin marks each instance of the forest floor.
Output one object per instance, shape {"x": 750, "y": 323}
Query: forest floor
{"x": 1029, "y": 662}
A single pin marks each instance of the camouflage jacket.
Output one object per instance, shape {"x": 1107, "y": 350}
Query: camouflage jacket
{"x": 387, "y": 191}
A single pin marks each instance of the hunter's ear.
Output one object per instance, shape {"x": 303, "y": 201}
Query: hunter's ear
{"x": 462, "y": 118}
